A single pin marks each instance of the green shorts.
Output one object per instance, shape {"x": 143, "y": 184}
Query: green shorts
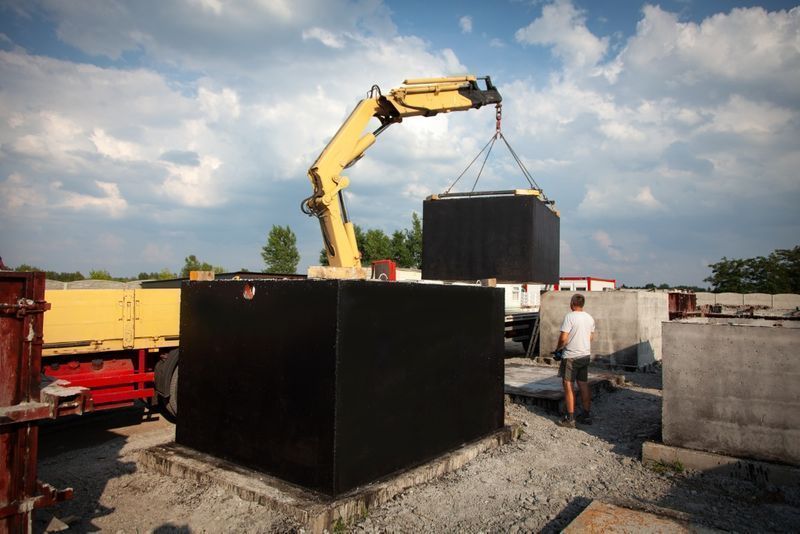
{"x": 574, "y": 369}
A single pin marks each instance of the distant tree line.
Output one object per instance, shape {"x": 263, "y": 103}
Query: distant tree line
{"x": 777, "y": 273}
{"x": 653, "y": 287}
{"x": 191, "y": 263}
{"x": 404, "y": 246}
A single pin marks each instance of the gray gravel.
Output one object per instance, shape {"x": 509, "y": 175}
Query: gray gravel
{"x": 539, "y": 483}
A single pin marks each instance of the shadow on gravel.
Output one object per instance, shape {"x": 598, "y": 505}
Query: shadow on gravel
{"x": 169, "y": 528}
{"x": 565, "y": 516}
{"x": 623, "y": 417}
{"x": 723, "y": 502}
{"x": 82, "y": 452}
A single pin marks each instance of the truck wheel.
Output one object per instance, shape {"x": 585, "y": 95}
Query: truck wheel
{"x": 172, "y": 403}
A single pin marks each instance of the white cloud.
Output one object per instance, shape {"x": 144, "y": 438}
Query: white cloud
{"x": 742, "y": 116}
{"x": 111, "y": 202}
{"x": 323, "y": 36}
{"x": 645, "y": 198}
{"x": 194, "y": 185}
{"x": 219, "y": 105}
{"x": 465, "y": 23}
{"x": 497, "y": 43}
{"x": 563, "y": 27}
{"x": 114, "y": 148}
{"x": 17, "y": 194}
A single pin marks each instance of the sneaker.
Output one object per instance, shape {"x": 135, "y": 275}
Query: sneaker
{"x": 584, "y": 418}
{"x": 566, "y": 421}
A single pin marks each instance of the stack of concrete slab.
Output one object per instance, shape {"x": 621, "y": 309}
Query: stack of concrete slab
{"x": 780, "y": 301}
{"x": 731, "y": 388}
{"x": 628, "y": 324}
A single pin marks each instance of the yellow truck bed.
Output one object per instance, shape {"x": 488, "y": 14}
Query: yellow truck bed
{"x": 83, "y": 321}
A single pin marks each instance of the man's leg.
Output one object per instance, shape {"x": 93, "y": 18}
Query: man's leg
{"x": 569, "y": 397}
{"x": 566, "y": 373}
{"x": 586, "y": 396}
{"x": 582, "y": 377}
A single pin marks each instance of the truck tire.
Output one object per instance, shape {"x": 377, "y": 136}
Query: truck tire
{"x": 172, "y": 402}
{"x": 166, "y": 383}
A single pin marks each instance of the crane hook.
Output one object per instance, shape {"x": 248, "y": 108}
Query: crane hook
{"x": 499, "y": 117}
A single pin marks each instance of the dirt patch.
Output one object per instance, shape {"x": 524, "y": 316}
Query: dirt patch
{"x": 539, "y": 483}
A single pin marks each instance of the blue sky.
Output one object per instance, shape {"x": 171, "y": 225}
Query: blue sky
{"x": 133, "y": 134}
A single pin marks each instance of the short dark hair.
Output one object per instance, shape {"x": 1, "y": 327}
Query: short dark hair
{"x": 577, "y": 300}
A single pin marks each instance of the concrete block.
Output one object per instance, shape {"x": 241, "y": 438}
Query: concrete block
{"x": 706, "y": 299}
{"x": 732, "y": 389}
{"x": 730, "y": 299}
{"x": 628, "y": 323}
{"x": 786, "y": 301}
{"x": 757, "y": 299}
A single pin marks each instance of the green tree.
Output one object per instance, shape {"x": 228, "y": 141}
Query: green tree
{"x": 52, "y": 275}
{"x": 100, "y": 274}
{"x": 414, "y": 241}
{"x": 191, "y": 263}
{"x": 280, "y": 253}
{"x": 163, "y": 274}
{"x": 377, "y": 246}
{"x": 777, "y": 273}
{"x": 404, "y": 247}
{"x": 400, "y": 251}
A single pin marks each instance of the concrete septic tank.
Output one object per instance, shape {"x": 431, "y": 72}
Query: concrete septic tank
{"x": 628, "y": 323}
{"x": 513, "y": 238}
{"x": 332, "y": 384}
{"x": 733, "y": 388}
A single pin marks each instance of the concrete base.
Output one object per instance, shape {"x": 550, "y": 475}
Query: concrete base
{"x": 761, "y": 473}
{"x": 541, "y": 386}
{"x": 315, "y": 512}
{"x": 603, "y": 517}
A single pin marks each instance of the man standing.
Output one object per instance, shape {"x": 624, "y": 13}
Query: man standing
{"x": 577, "y": 332}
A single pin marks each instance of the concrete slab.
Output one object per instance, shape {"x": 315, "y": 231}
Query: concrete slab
{"x": 315, "y": 512}
{"x": 786, "y": 301}
{"x": 762, "y": 473}
{"x": 704, "y": 299}
{"x": 757, "y": 299}
{"x": 732, "y": 389}
{"x": 730, "y": 299}
{"x": 603, "y": 517}
{"x": 531, "y": 384}
{"x": 627, "y": 324}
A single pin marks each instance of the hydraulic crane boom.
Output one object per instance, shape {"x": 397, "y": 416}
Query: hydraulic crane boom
{"x": 418, "y": 97}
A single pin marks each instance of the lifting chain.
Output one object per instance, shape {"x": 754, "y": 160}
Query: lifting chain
{"x": 499, "y": 117}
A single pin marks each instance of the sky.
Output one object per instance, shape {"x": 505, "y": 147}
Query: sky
{"x": 136, "y": 133}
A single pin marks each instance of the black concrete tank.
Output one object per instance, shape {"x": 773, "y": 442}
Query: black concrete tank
{"x": 333, "y": 384}
{"x": 514, "y": 238}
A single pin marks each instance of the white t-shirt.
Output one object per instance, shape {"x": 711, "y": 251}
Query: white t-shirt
{"x": 579, "y": 325}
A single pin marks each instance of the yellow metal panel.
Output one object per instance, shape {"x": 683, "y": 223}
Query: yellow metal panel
{"x": 85, "y": 321}
{"x": 78, "y": 317}
{"x": 157, "y": 316}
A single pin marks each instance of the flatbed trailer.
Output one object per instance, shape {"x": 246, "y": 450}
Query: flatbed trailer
{"x": 119, "y": 343}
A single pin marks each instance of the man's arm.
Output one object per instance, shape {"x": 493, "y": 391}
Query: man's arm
{"x": 562, "y": 340}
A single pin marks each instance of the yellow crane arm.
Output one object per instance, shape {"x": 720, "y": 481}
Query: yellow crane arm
{"x": 417, "y": 97}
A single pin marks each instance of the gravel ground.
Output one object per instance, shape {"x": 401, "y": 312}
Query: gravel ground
{"x": 539, "y": 483}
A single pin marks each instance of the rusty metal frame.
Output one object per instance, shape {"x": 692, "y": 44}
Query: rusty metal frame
{"x": 23, "y": 401}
